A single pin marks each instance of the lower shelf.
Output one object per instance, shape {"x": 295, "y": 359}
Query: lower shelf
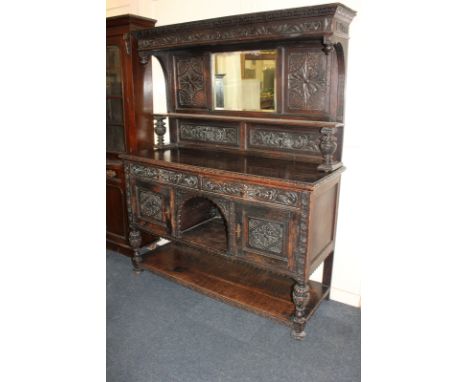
{"x": 232, "y": 282}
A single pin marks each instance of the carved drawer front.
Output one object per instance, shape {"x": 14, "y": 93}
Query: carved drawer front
{"x": 160, "y": 175}
{"x": 266, "y": 236}
{"x": 251, "y": 192}
{"x": 151, "y": 207}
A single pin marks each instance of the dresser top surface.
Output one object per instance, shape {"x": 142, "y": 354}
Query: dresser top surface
{"x": 250, "y": 166}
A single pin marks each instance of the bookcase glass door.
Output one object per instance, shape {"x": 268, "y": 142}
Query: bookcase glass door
{"x": 115, "y": 138}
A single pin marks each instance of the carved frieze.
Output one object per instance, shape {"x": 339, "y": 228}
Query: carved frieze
{"x": 223, "y": 187}
{"x": 282, "y": 140}
{"x": 252, "y": 192}
{"x": 165, "y": 176}
{"x": 295, "y": 22}
{"x": 301, "y": 248}
{"x": 190, "y": 82}
{"x": 307, "y": 80}
{"x": 209, "y": 134}
{"x": 266, "y": 235}
{"x": 288, "y": 198}
{"x": 178, "y": 178}
{"x": 150, "y": 204}
{"x": 279, "y": 29}
{"x": 143, "y": 171}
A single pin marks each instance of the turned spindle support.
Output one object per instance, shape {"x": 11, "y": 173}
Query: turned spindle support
{"x": 160, "y": 130}
{"x": 328, "y": 147}
{"x": 301, "y": 297}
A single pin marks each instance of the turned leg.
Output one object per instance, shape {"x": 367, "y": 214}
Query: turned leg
{"x": 327, "y": 272}
{"x": 135, "y": 243}
{"x": 301, "y": 296}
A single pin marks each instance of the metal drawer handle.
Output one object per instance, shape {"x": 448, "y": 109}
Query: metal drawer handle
{"x": 111, "y": 173}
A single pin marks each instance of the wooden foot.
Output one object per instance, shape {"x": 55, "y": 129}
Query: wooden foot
{"x": 135, "y": 243}
{"x": 300, "y": 297}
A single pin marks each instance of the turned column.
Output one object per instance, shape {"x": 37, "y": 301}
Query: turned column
{"x": 328, "y": 147}
{"x": 301, "y": 296}
{"x": 135, "y": 242}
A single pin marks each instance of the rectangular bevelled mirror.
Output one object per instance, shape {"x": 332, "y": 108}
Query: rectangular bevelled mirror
{"x": 244, "y": 80}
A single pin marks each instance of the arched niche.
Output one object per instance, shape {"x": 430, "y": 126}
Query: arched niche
{"x": 201, "y": 221}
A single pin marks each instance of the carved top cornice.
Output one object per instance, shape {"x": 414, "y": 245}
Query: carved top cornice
{"x": 315, "y": 21}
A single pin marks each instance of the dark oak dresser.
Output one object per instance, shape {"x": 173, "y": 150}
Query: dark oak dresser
{"x": 122, "y": 136}
{"x": 246, "y": 190}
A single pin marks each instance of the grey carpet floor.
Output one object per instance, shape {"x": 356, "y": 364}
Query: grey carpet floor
{"x": 160, "y": 331}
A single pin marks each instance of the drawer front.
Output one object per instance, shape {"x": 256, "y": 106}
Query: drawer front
{"x": 160, "y": 175}
{"x": 251, "y": 192}
{"x": 267, "y": 236}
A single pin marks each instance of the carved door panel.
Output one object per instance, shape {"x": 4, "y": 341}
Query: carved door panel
{"x": 151, "y": 207}
{"x": 266, "y": 236}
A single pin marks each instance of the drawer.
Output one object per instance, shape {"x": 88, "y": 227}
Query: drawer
{"x": 251, "y": 192}
{"x": 160, "y": 175}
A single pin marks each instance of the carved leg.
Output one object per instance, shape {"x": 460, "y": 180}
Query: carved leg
{"x": 327, "y": 272}
{"x": 135, "y": 243}
{"x": 301, "y": 297}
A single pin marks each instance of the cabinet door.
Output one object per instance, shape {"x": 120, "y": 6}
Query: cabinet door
{"x": 266, "y": 236}
{"x": 115, "y": 131}
{"x": 115, "y": 212}
{"x": 151, "y": 207}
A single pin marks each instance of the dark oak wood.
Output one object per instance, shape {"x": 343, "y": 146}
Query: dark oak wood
{"x": 118, "y": 36}
{"x": 247, "y": 199}
{"x": 241, "y": 285}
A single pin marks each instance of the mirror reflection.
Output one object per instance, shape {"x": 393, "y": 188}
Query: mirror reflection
{"x": 244, "y": 80}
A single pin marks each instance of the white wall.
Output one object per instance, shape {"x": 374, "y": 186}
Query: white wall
{"x": 346, "y": 285}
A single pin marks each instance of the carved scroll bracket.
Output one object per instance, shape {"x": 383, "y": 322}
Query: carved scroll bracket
{"x": 328, "y": 147}
{"x": 128, "y": 43}
{"x": 144, "y": 57}
{"x": 328, "y": 45}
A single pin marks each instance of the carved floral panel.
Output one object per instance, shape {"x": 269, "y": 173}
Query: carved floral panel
{"x": 307, "y": 80}
{"x": 190, "y": 82}
{"x": 266, "y": 235}
{"x": 283, "y": 140}
{"x": 150, "y": 205}
{"x": 209, "y": 134}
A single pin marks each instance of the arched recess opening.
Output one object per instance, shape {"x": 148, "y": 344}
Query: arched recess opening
{"x": 202, "y": 222}
{"x": 159, "y": 91}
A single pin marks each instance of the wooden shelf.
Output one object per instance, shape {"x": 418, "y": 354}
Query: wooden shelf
{"x": 235, "y": 283}
{"x": 211, "y": 234}
{"x": 276, "y": 120}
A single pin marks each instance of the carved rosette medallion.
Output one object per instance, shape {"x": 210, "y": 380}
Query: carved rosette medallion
{"x": 190, "y": 82}
{"x": 266, "y": 235}
{"x": 209, "y": 134}
{"x": 151, "y": 205}
{"x": 307, "y": 80}
{"x": 308, "y": 142}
